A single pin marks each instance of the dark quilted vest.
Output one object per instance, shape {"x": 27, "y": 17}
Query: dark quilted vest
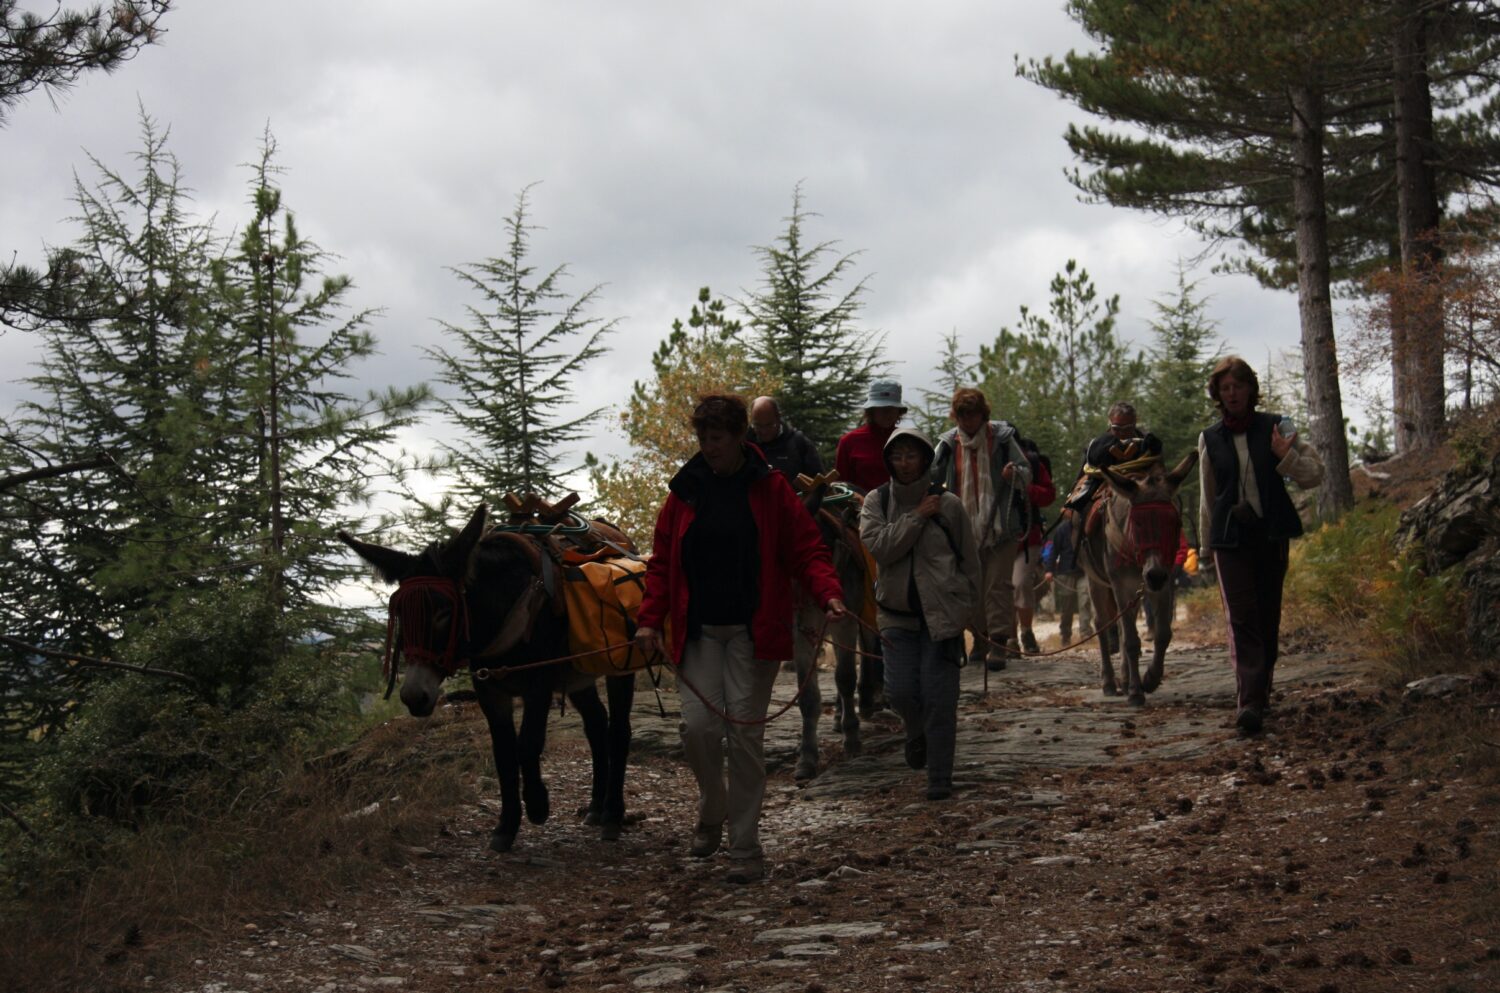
{"x": 1280, "y": 516}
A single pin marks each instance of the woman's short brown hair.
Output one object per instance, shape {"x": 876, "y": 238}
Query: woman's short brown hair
{"x": 970, "y": 401}
{"x": 721, "y": 412}
{"x": 1233, "y": 365}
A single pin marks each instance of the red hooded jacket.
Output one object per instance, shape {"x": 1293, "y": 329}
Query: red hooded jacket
{"x": 791, "y": 547}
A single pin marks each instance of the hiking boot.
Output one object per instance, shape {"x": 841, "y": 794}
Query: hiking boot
{"x": 1249, "y": 721}
{"x": 999, "y": 649}
{"x": 751, "y": 870}
{"x": 916, "y": 752}
{"x": 706, "y": 839}
{"x": 1028, "y": 642}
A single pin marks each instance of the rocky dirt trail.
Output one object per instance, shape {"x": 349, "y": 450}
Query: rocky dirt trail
{"x": 1088, "y": 846}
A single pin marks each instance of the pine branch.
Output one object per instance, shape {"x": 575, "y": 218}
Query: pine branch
{"x": 91, "y": 662}
{"x": 48, "y": 472}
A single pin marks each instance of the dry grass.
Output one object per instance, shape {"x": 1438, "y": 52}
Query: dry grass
{"x": 175, "y": 885}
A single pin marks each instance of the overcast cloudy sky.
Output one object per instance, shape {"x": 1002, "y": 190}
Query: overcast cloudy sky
{"x": 666, "y": 139}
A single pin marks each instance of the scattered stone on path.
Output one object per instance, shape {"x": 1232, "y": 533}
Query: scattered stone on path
{"x": 661, "y": 975}
{"x": 846, "y": 872}
{"x": 358, "y": 953}
{"x": 1055, "y": 860}
{"x": 987, "y": 845}
{"x": 688, "y": 951}
{"x": 816, "y": 932}
{"x": 1436, "y": 687}
{"x": 923, "y": 946}
{"x": 810, "y": 950}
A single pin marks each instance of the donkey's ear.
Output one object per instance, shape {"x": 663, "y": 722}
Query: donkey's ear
{"x": 458, "y": 556}
{"x": 390, "y": 565}
{"x": 1177, "y": 475}
{"x": 1121, "y": 484}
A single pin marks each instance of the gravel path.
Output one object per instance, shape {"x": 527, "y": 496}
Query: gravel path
{"x": 1089, "y": 846}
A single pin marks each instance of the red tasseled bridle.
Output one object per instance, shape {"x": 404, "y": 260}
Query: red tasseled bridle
{"x": 412, "y": 608}
{"x": 1155, "y": 525}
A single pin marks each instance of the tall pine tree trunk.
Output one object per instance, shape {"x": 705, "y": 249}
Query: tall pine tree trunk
{"x": 1421, "y": 394}
{"x": 1314, "y": 305}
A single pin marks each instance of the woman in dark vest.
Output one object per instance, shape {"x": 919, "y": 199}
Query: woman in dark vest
{"x": 1247, "y": 520}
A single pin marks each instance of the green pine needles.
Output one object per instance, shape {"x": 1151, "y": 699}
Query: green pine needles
{"x": 510, "y": 370}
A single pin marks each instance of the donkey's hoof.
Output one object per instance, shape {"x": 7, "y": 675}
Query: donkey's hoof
{"x": 852, "y": 748}
{"x": 1137, "y": 699}
{"x": 538, "y": 806}
{"x": 592, "y": 818}
{"x": 1152, "y": 681}
{"x": 610, "y": 831}
{"x": 1110, "y": 689}
{"x": 502, "y": 841}
{"x": 806, "y": 769}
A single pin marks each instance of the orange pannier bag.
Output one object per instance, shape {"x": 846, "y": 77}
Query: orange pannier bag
{"x": 602, "y": 592}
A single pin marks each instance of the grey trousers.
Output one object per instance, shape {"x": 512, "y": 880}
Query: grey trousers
{"x": 1072, "y": 593}
{"x": 720, "y": 665}
{"x": 921, "y": 684}
{"x": 995, "y": 613}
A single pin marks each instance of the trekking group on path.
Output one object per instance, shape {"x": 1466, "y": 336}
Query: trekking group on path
{"x": 956, "y": 534}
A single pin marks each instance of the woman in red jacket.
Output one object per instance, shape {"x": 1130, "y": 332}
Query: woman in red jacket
{"x": 729, "y": 540}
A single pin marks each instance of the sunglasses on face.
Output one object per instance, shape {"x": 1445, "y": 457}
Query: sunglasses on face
{"x": 1122, "y": 428}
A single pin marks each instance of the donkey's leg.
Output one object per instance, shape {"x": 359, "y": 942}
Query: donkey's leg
{"x": 497, "y": 709}
{"x": 845, "y": 678}
{"x": 1165, "y": 606}
{"x": 1103, "y": 597}
{"x": 535, "y": 706}
{"x": 1130, "y": 640}
{"x": 621, "y": 692}
{"x": 585, "y": 699}
{"x": 810, "y": 703}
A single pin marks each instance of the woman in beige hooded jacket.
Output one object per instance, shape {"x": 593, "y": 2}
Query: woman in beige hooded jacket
{"x": 926, "y": 592}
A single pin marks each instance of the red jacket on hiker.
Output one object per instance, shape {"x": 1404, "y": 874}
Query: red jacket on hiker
{"x": 860, "y": 458}
{"x": 791, "y": 547}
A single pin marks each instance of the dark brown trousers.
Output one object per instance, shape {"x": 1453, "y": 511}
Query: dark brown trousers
{"x": 1250, "y": 580}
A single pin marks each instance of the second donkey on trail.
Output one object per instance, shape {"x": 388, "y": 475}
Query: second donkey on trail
{"x": 856, "y": 648}
{"x": 1130, "y": 555}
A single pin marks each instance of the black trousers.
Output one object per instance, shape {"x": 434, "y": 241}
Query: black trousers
{"x": 1250, "y": 581}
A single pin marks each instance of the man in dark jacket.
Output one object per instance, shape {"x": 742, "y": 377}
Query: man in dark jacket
{"x": 1124, "y": 442}
{"x": 1069, "y": 585}
{"x": 785, "y": 448}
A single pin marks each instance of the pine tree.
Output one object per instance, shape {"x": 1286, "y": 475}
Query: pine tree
{"x": 804, "y": 332}
{"x": 511, "y": 369}
{"x": 955, "y": 369}
{"x": 1231, "y": 106}
{"x": 1174, "y": 404}
{"x": 296, "y": 449}
{"x": 164, "y": 366}
{"x": 1056, "y": 378}
{"x": 50, "y": 53}
{"x": 703, "y": 356}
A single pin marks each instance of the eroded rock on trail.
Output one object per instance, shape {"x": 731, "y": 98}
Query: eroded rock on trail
{"x": 1459, "y": 524}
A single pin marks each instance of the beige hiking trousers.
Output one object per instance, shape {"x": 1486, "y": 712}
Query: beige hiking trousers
{"x": 720, "y": 665}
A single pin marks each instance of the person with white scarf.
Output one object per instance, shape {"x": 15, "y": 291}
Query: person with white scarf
{"x": 980, "y": 462}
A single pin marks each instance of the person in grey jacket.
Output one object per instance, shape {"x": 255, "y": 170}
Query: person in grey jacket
{"x": 922, "y": 540}
{"x": 980, "y": 462}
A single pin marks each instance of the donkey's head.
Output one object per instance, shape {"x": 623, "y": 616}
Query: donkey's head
{"x": 1153, "y": 524}
{"x": 429, "y": 613}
